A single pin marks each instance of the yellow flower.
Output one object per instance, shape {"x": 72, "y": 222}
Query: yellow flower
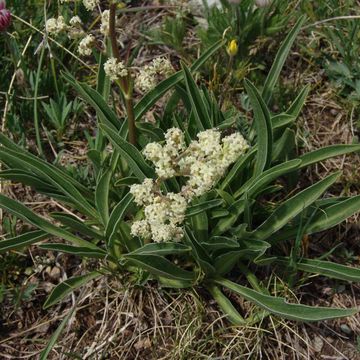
{"x": 232, "y": 48}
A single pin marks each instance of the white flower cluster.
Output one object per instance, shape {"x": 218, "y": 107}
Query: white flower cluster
{"x": 90, "y": 4}
{"x": 115, "y": 69}
{"x": 86, "y": 45}
{"x": 56, "y": 25}
{"x": 151, "y": 73}
{"x": 163, "y": 213}
{"x": 203, "y": 162}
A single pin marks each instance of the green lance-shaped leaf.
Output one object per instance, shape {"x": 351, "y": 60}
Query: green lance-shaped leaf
{"x": 52, "y": 175}
{"x": 164, "y": 86}
{"x": 102, "y": 196}
{"x": 159, "y": 266}
{"x": 96, "y": 100}
{"x": 22, "y": 212}
{"x": 77, "y": 225}
{"x": 280, "y": 307}
{"x": 116, "y": 217}
{"x": 281, "y": 120}
{"x": 284, "y": 146}
{"x": 279, "y": 61}
{"x": 68, "y": 286}
{"x": 75, "y": 250}
{"x": 334, "y": 215}
{"x": 198, "y": 105}
{"x": 296, "y": 106}
{"x": 22, "y": 240}
{"x": 238, "y": 167}
{"x": 27, "y": 178}
{"x": 219, "y": 243}
{"x": 263, "y": 129}
{"x": 292, "y": 207}
{"x": 326, "y": 268}
{"x": 162, "y": 249}
{"x": 30, "y": 158}
{"x": 132, "y": 155}
{"x": 253, "y": 186}
{"x": 54, "y": 337}
{"x": 203, "y": 206}
{"x": 226, "y": 306}
{"x": 316, "y": 156}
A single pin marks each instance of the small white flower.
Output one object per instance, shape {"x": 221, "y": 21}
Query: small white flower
{"x": 115, "y": 69}
{"x": 90, "y": 4}
{"x": 75, "y": 21}
{"x": 143, "y": 193}
{"x": 86, "y": 45}
{"x": 175, "y": 139}
{"x": 141, "y": 229}
{"x": 177, "y": 208}
{"x": 105, "y": 22}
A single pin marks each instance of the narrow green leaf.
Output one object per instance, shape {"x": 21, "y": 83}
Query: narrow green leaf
{"x": 159, "y": 266}
{"x": 253, "y": 186}
{"x": 198, "y": 106}
{"x": 54, "y": 337}
{"x": 203, "y": 206}
{"x": 263, "y": 128}
{"x": 225, "y": 304}
{"x": 326, "y": 268}
{"x": 117, "y": 215}
{"x": 279, "y": 306}
{"x": 279, "y": 61}
{"x": 295, "y": 108}
{"x": 132, "y": 155}
{"x": 292, "y": 207}
{"x": 316, "y": 156}
{"x": 102, "y": 196}
{"x": 67, "y": 287}
{"x": 22, "y": 240}
{"x": 77, "y": 226}
{"x": 53, "y": 175}
{"x": 162, "y": 249}
{"x": 22, "y": 212}
{"x": 75, "y": 250}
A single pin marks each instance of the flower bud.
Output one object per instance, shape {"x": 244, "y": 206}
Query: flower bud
{"x": 5, "y": 16}
{"x": 262, "y": 3}
{"x": 232, "y": 48}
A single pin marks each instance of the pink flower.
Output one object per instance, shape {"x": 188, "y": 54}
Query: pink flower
{"x": 5, "y": 16}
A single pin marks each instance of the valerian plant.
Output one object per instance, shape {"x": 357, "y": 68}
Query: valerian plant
{"x": 177, "y": 201}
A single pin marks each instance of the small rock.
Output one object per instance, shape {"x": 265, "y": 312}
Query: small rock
{"x": 318, "y": 344}
{"x": 55, "y": 273}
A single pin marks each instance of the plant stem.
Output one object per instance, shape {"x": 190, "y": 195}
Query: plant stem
{"x": 36, "y": 114}
{"x": 124, "y": 81}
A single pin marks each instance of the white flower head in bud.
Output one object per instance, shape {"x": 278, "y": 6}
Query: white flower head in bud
{"x": 143, "y": 193}
{"x": 115, "y": 69}
{"x": 90, "y": 4}
{"x": 86, "y": 45}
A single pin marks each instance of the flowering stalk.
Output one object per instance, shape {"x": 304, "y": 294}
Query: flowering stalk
{"x": 125, "y": 82}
